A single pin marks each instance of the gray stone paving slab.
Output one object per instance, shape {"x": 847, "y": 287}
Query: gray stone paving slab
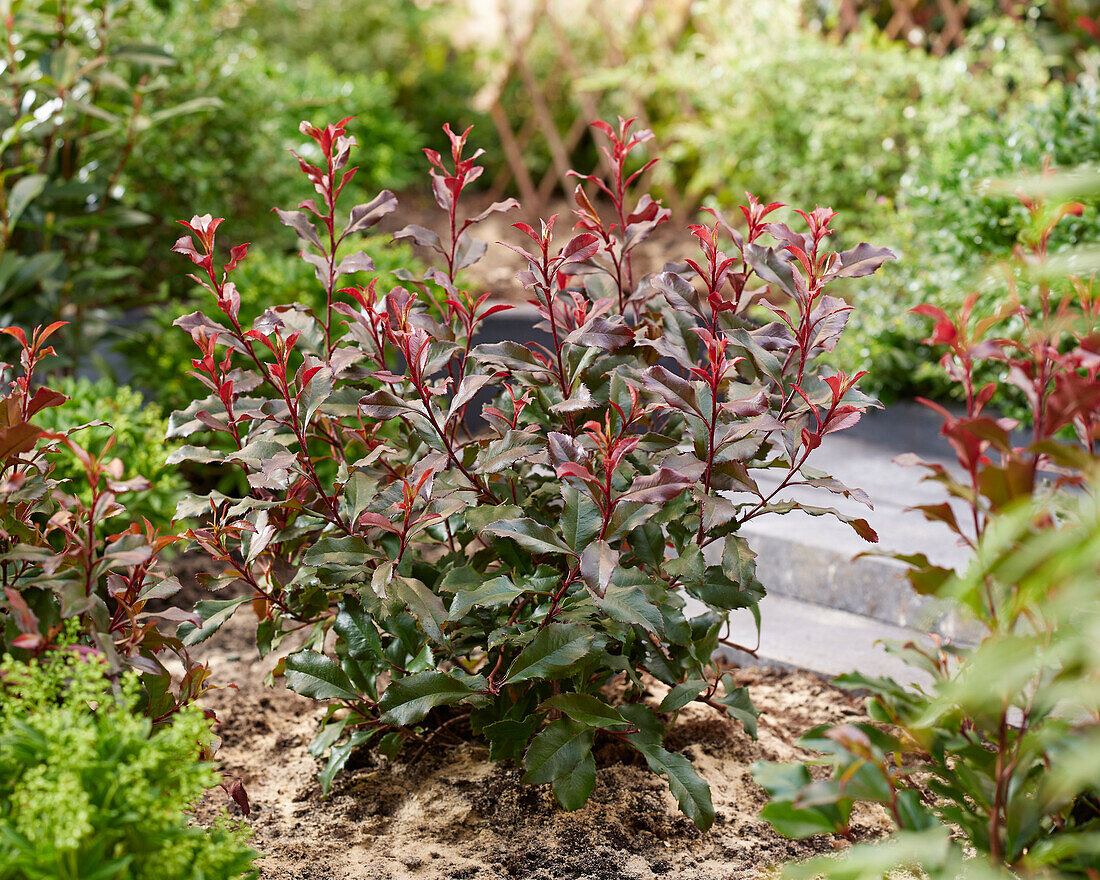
{"x": 803, "y": 635}
{"x": 813, "y": 558}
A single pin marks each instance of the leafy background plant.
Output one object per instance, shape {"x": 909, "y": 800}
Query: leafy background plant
{"x": 783, "y": 124}
{"x": 999, "y": 740}
{"x": 411, "y": 47}
{"x": 79, "y": 98}
{"x": 966, "y": 180}
{"x": 70, "y": 564}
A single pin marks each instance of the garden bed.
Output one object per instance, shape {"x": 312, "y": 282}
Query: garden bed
{"x": 448, "y": 812}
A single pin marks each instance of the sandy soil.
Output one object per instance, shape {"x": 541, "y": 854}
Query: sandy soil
{"x": 450, "y": 813}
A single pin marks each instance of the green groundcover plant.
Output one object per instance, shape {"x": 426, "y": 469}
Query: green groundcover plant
{"x": 997, "y": 752}
{"x": 496, "y": 577}
{"x": 88, "y": 790}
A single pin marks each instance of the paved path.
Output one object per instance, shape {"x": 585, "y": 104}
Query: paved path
{"x": 826, "y": 610}
{"x": 800, "y": 634}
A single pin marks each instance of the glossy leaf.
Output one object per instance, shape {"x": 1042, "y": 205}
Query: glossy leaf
{"x": 554, "y": 651}
{"x": 408, "y": 700}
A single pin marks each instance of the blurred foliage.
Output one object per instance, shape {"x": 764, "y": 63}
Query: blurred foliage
{"x": 409, "y": 45}
{"x": 232, "y": 162}
{"x": 1063, "y": 29}
{"x": 958, "y": 214}
{"x": 87, "y": 790}
{"x": 812, "y": 121}
{"x": 138, "y": 429}
{"x": 124, "y": 117}
{"x": 80, "y": 94}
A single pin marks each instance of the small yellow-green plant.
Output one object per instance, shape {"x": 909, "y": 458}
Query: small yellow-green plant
{"x": 88, "y": 790}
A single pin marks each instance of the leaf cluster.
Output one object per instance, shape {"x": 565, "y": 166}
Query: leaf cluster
{"x": 65, "y": 558}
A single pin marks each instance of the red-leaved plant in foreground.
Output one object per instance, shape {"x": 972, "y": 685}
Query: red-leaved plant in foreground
{"x": 496, "y": 578}
{"x": 63, "y": 582}
{"x": 990, "y": 767}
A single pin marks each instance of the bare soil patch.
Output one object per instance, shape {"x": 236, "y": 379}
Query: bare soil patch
{"x": 450, "y": 813}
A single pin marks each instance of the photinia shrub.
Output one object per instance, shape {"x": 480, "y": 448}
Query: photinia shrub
{"x": 500, "y": 577}
{"x": 1000, "y": 743}
{"x": 65, "y": 559}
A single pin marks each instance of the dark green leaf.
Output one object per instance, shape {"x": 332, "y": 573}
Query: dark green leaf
{"x": 598, "y": 563}
{"x": 327, "y": 737}
{"x": 718, "y": 591}
{"x": 339, "y": 755}
{"x": 647, "y": 542}
{"x": 480, "y": 518}
{"x": 530, "y": 535}
{"x": 214, "y": 613}
{"x": 552, "y": 653}
{"x": 738, "y": 704}
{"x": 424, "y": 605}
{"x": 508, "y": 738}
{"x": 356, "y": 627}
{"x": 690, "y": 790}
{"x": 408, "y": 700}
{"x": 573, "y": 789}
{"x": 557, "y": 751}
{"x": 587, "y": 709}
{"x": 580, "y": 518}
{"x": 495, "y": 591}
{"x": 312, "y": 674}
{"x": 507, "y": 450}
{"x": 682, "y": 694}
{"x": 390, "y": 744}
{"x": 627, "y": 603}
